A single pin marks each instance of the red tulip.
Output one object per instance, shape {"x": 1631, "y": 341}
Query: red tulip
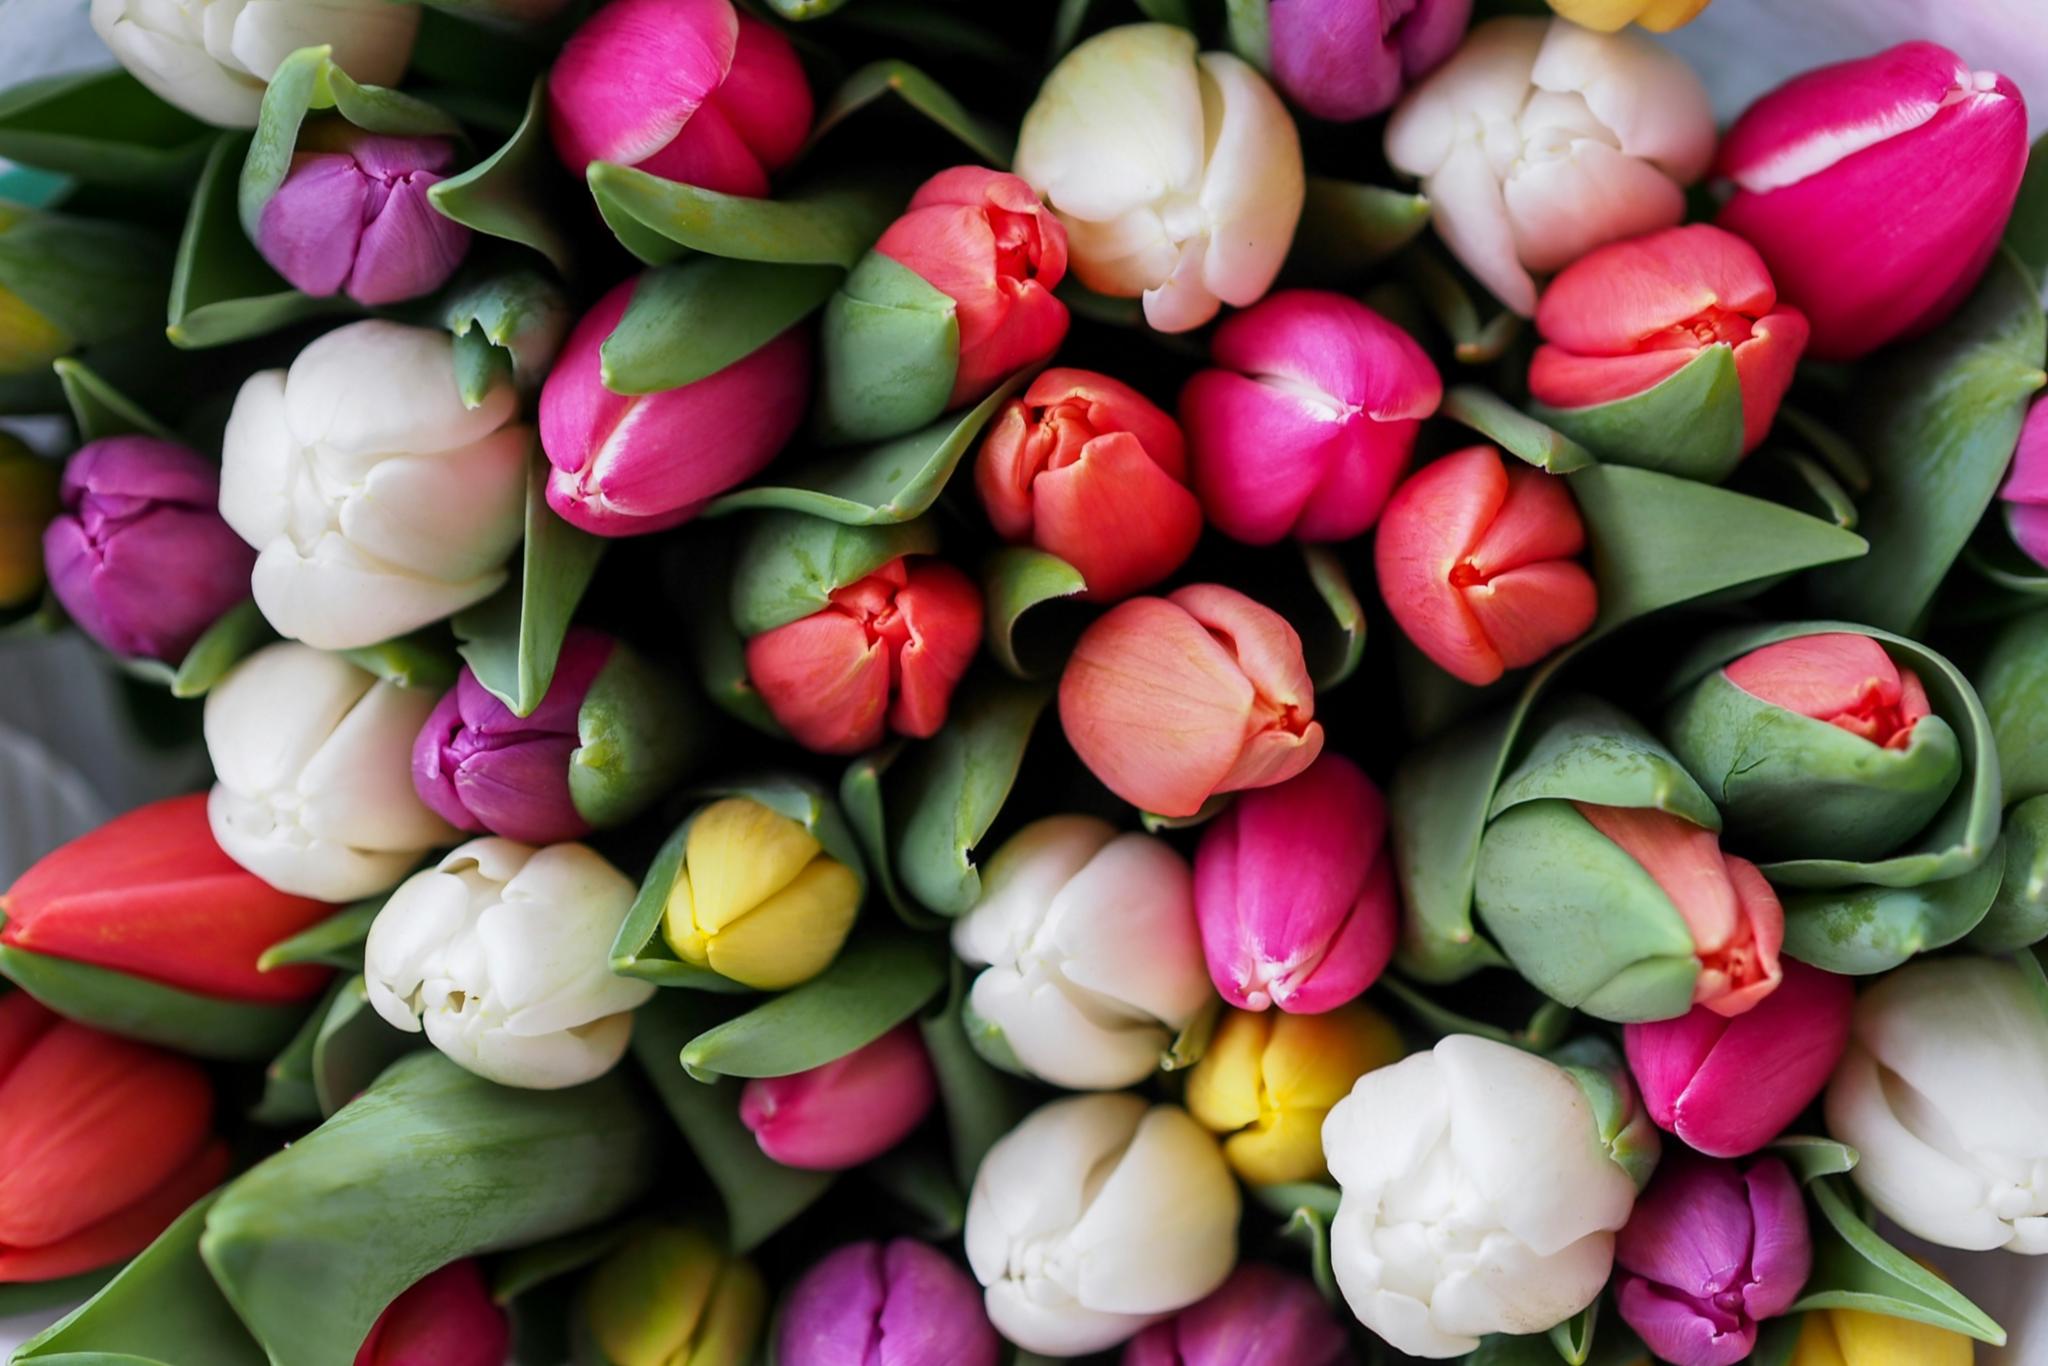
{"x": 447, "y": 1318}
{"x": 846, "y": 1112}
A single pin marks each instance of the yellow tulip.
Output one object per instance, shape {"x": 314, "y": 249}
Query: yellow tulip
{"x": 1659, "y": 16}
{"x": 1269, "y": 1077}
{"x": 28, "y": 500}
{"x": 757, "y": 899}
{"x": 671, "y": 1296}
{"x": 1852, "y": 1337}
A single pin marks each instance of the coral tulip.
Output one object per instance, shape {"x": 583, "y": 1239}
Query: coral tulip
{"x": 1350, "y": 59}
{"x": 352, "y": 217}
{"x": 847, "y": 1111}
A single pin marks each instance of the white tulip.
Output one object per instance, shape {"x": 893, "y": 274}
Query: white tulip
{"x": 313, "y": 758}
{"x": 1540, "y": 140}
{"x": 503, "y": 952}
{"x": 1095, "y": 957}
{"x": 1096, "y": 1216}
{"x": 211, "y": 58}
{"x": 1178, "y": 176}
{"x": 376, "y": 501}
{"x": 1943, "y": 1093}
{"x": 1477, "y": 1197}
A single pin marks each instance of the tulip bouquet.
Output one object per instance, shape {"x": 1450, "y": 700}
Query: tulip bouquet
{"x": 879, "y": 683}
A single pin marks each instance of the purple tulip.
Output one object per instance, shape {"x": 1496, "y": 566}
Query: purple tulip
{"x": 139, "y": 556}
{"x": 885, "y": 1304}
{"x": 352, "y": 217}
{"x": 1260, "y": 1314}
{"x": 1712, "y": 1248}
{"x": 1347, "y": 59}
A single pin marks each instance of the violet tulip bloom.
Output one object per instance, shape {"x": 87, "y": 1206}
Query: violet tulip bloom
{"x": 1261, "y": 1314}
{"x": 849, "y": 1110}
{"x": 1351, "y": 59}
{"x": 447, "y": 1318}
{"x": 1710, "y": 1249}
{"x": 2025, "y": 491}
{"x": 140, "y": 557}
{"x": 900, "y": 1303}
{"x": 1877, "y": 189}
{"x": 352, "y": 217}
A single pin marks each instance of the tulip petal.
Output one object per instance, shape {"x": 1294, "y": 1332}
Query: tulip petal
{"x": 1833, "y": 112}
{"x": 418, "y": 409}
{"x": 1137, "y": 83}
{"x": 1527, "y": 613}
{"x": 1619, "y": 296}
{"x": 1783, "y": 1253}
{"x": 1117, "y": 515}
{"x": 1260, "y": 451}
{"x": 1253, "y": 185}
{"x": 629, "y": 79}
{"x": 1562, "y": 207}
{"x": 1643, "y": 92}
{"x": 1125, "y": 926}
{"x": 824, "y": 680}
{"x": 940, "y": 608}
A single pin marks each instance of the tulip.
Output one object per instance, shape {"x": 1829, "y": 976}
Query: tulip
{"x": 1350, "y": 59}
{"x": 1861, "y": 1337}
{"x": 2025, "y": 491}
{"x": 29, "y": 338}
{"x": 1711, "y": 1249}
{"x": 448, "y": 1318}
{"x": 1294, "y": 891}
{"x": 312, "y": 792}
{"x": 352, "y": 217}
{"x": 28, "y": 500}
{"x": 140, "y": 557}
{"x": 670, "y": 1294}
{"x": 1170, "y": 701}
{"x": 1539, "y": 140}
{"x": 1658, "y": 16}
{"x": 68, "y": 282}
{"x": 627, "y": 464}
{"x": 1727, "y": 1086}
{"x": 376, "y": 501}
{"x": 1261, "y": 1314}
{"x": 501, "y": 952}
{"x": 1306, "y": 425}
{"x": 212, "y": 58}
{"x": 1178, "y": 176}
{"x": 1268, "y": 1080}
{"x": 694, "y": 91}
{"x": 1474, "y": 557}
{"x": 152, "y": 895}
{"x": 1086, "y": 468}
{"x": 758, "y": 899}
{"x": 885, "y": 655}
{"x": 1096, "y": 1216}
{"x": 1943, "y": 1091}
{"x": 1441, "y": 1236}
{"x": 103, "y": 1142}
{"x": 899, "y": 1303}
{"x": 1093, "y": 962}
{"x": 846, "y": 1112}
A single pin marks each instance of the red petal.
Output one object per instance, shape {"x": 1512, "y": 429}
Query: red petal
{"x": 1614, "y": 298}
{"x": 125, "y": 1232}
{"x": 1116, "y": 516}
{"x": 825, "y": 682}
{"x": 941, "y": 611}
{"x": 1429, "y": 525}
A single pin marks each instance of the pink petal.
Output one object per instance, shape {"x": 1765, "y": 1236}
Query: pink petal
{"x": 633, "y": 75}
{"x": 941, "y": 610}
{"x": 1429, "y": 525}
{"x": 1562, "y": 379}
{"x": 846, "y": 1112}
{"x": 1615, "y": 297}
{"x": 1683, "y": 859}
{"x": 1259, "y": 452}
{"x": 409, "y": 249}
{"x": 1764, "y": 365}
{"x": 1783, "y": 1252}
{"x": 2027, "y": 480}
{"x": 310, "y": 229}
{"x": 1817, "y": 119}
{"x": 1821, "y": 676}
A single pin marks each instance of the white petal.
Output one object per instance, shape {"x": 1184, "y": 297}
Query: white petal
{"x": 383, "y": 387}
{"x": 1563, "y": 206}
{"x": 1122, "y": 256}
{"x": 257, "y": 454}
{"x": 1472, "y": 219}
{"x": 1402, "y": 1320}
{"x": 1253, "y": 185}
{"x": 176, "y": 66}
{"x": 249, "y": 832}
{"x": 1125, "y": 929}
{"x": 407, "y": 941}
{"x": 371, "y": 42}
{"x": 452, "y": 515}
{"x": 544, "y": 1062}
{"x": 1056, "y": 1327}
{"x": 1162, "y": 1232}
{"x": 336, "y": 598}
{"x": 357, "y": 788}
{"x": 548, "y": 942}
{"x": 1031, "y": 1184}
{"x": 1513, "y": 1290}
{"x": 1386, "y": 1127}
{"x": 1060, "y": 1034}
{"x": 1643, "y": 91}
{"x": 1020, "y": 881}
{"x": 270, "y": 715}
{"x": 1486, "y": 80}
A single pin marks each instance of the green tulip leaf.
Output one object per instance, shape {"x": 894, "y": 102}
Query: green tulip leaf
{"x": 860, "y": 797}
{"x": 1585, "y": 750}
{"x": 2012, "y": 682}
{"x": 888, "y": 354}
{"x": 91, "y": 280}
{"x": 1799, "y": 481}
{"x": 30, "y": 1297}
{"x": 425, "y": 659}
{"x": 2026, "y": 232}
{"x": 691, "y": 320}
{"x": 288, "y": 1098}
{"x": 353, "y": 1046}
{"x": 1191, "y": 1044}
{"x": 660, "y": 221}
{"x": 1812, "y": 1158}
{"x": 1871, "y": 928}
{"x": 637, "y": 732}
{"x": 1251, "y": 32}
{"x": 1308, "y": 1209}
{"x": 1335, "y": 644}
{"x": 790, "y": 564}
{"x": 1015, "y": 580}
{"x": 1347, "y": 228}
{"x": 912, "y": 1178}
{"x": 1993, "y": 557}
{"x": 800, "y": 10}
{"x": 100, "y": 410}
{"x": 1573, "y": 1338}
{"x": 718, "y": 651}
{"x": 1855, "y": 1269}
{"x": 1513, "y": 430}
{"x": 873, "y": 83}
{"x": 2019, "y": 913}
{"x": 980, "y": 1103}
{"x": 525, "y": 1269}
{"x": 509, "y": 323}
{"x": 1689, "y": 424}
{"x": 101, "y": 127}
{"x": 336, "y": 942}
{"x": 239, "y": 632}
{"x": 1474, "y": 340}
{"x": 507, "y": 194}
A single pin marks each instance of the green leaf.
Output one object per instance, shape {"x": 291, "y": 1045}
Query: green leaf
{"x": 1689, "y": 424}
{"x": 511, "y": 321}
{"x": 888, "y": 354}
{"x": 2026, "y": 232}
{"x": 92, "y": 280}
{"x": 924, "y": 1187}
{"x": 100, "y": 410}
{"x": 526, "y": 1268}
{"x": 691, "y": 320}
{"x": 1251, "y": 32}
{"x": 2012, "y": 683}
{"x": 1474, "y": 341}
{"x": 353, "y": 1046}
{"x": 1015, "y": 580}
{"x": 33, "y": 1297}
{"x": 1853, "y": 1268}
{"x": 789, "y": 564}
{"x": 1812, "y": 1158}
{"x": 240, "y": 632}
{"x": 860, "y": 797}
{"x": 102, "y": 127}
{"x": 508, "y": 193}
{"x": 336, "y": 942}
{"x": 425, "y": 659}
{"x": 1192, "y": 1042}
{"x": 660, "y": 220}
{"x": 1800, "y": 481}
{"x": 1544, "y": 1031}
{"x": 980, "y": 1103}
{"x": 1586, "y": 750}
{"x": 1335, "y": 644}
{"x": 2019, "y": 913}
{"x": 799, "y": 10}
{"x": 637, "y": 732}
{"x": 1346, "y": 228}
{"x": 1573, "y": 1338}
{"x": 1514, "y": 431}
{"x": 288, "y": 1096}
{"x": 869, "y": 86}
{"x": 1871, "y": 928}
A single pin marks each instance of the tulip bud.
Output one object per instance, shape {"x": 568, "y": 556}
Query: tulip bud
{"x": 1658, "y": 16}
{"x": 1943, "y": 1093}
{"x": 1474, "y": 557}
{"x": 1350, "y": 59}
{"x": 1860, "y": 1337}
{"x": 628, "y": 464}
{"x": 103, "y": 1142}
{"x": 1307, "y": 425}
{"x": 1096, "y": 1216}
{"x": 849, "y": 1111}
{"x": 670, "y": 1294}
{"x": 900, "y": 1303}
{"x": 1178, "y": 176}
{"x": 502, "y": 953}
{"x": 28, "y": 500}
{"x": 352, "y": 217}
{"x": 1261, "y": 1314}
{"x": 1539, "y": 140}
{"x": 2025, "y": 491}
{"x": 1093, "y": 960}
{"x": 1876, "y": 189}
{"x": 886, "y": 653}
{"x": 758, "y": 899}
{"x": 1087, "y": 468}
{"x": 447, "y": 1318}
{"x": 693, "y": 91}
{"x": 1268, "y": 1080}
{"x": 1170, "y": 701}
{"x": 1711, "y": 1249}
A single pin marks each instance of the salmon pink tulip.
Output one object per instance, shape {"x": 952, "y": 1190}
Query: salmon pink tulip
{"x": 1839, "y": 677}
{"x": 447, "y": 1318}
{"x": 847, "y": 1111}
{"x": 2025, "y": 492}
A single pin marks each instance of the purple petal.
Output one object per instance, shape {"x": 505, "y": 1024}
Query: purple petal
{"x": 1672, "y": 1326}
{"x": 521, "y": 790}
{"x": 1691, "y": 1229}
{"x": 933, "y": 1312}
{"x": 1783, "y": 1253}
{"x": 433, "y": 779}
{"x": 408, "y": 247}
{"x": 830, "y": 1316}
{"x": 312, "y": 226}
{"x": 140, "y": 467}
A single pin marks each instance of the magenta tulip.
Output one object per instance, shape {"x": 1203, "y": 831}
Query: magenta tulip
{"x": 1261, "y": 1314}
{"x": 447, "y": 1318}
{"x": 2025, "y": 492}
{"x": 352, "y": 217}
{"x": 846, "y": 1112}
{"x": 899, "y": 1303}
{"x": 1350, "y": 59}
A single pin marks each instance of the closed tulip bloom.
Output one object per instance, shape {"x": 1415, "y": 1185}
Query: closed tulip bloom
{"x": 1261, "y": 1314}
{"x": 1267, "y": 1082}
{"x": 1170, "y": 701}
{"x": 899, "y": 1303}
{"x": 352, "y": 217}
{"x": 103, "y": 1142}
{"x": 1860, "y": 1337}
{"x": 671, "y": 1294}
{"x": 1306, "y": 424}
{"x": 846, "y": 1112}
{"x": 693, "y": 91}
{"x": 1350, "y": 59}
{"x": 1539, "y": 140}
{"x": 447, "y": 1318}
{"x": 139, "y": 556}
{"x": 28, "y": 501}
{"x": 1944, "y": 1094}
{"x": 628, "y": 464}
{"x": 1658, "y": 16}
{"x": 1091, "y": 958}
{"x": 2025, "y": 491}
{"x": 1086, "y": 468}
{"x": 1178, "y": 175}
{"x": 1096, "y": 1216}
{"x": 884, "y": 657}
{"x": 1877, "y": 189}
{"x": 1476, "y": 561}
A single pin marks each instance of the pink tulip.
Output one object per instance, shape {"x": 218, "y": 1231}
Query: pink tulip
{"x": 352, "y": 217}
{"x": 1728, "y": 1086}
{"x": 900, "y": 1303}
{"x": 1839, "y": 677}
{"x": 1090, "y": 470}
{"x": 627, "y": 464}
{"x": 847, "y": 1112}
{"x": 692, "y": 91}
{"x": 1307, "y": 425}
{"x": 1627, "y": 316}
{"x": 1474, "y": 558}
{"x": 886, "y": 653}
{"x": 1877, "y": 190}
{"x": 1350, "y": 59}
{"x": 2025, "y": 492}
{"x": 1294, "y": 890}
{"x": 1260, "y": 1315}
{"x": 1172, "y": 700}
{"x": 448, "y": 1318}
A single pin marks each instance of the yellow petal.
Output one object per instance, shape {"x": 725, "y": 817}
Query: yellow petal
{"x": 28, "y": 500}
{"x": 645, "y": 1300}
{"x": 1864, "y": 1339}
{"x": 791, "y": 935}
{"x": 679, "y": 923}
{"x": 1223, "y": 1088}
{"x": 1286, "y": 1146}
{"x": 740, "y": 853}
{"x": 1661, "y": 16}
{"x": 1605, "y": 15}
{"x": 28, "y": 340}
{"x": 1313, "y": 1060}
{"x": 733, "y": 1325}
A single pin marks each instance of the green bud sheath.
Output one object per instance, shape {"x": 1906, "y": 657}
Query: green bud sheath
{"x": 2019, "y": 913}
{"x": 889, "y": 351}
{"x": 989, "y": 1041}
{"x": 2013, "y": 683}
{"x": 1689, "y": 424}
{"x": 637, "y": 732}
{"x": 74, "y": 281}
{"x": 790, "y": 564}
